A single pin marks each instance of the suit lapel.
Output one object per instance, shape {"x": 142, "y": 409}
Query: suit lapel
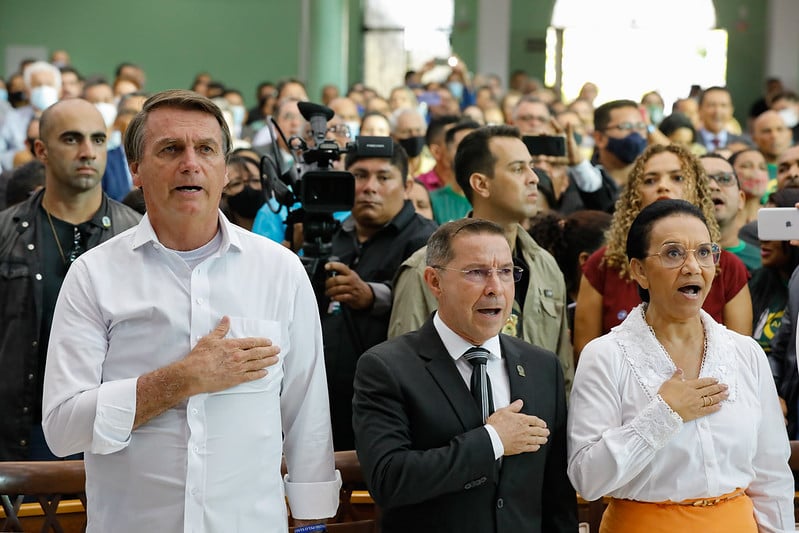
{"x": 519, "y": 377}
{"x": 445, "y": 374}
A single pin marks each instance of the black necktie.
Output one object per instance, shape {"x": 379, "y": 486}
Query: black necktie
{"x": 480, "y": 384}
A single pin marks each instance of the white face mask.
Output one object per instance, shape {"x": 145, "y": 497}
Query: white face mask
{"x": 789, "y": 116}
{"x": 109, "y": 112}
{"x": 238, "y": 112}
{"x": 354, "y": 127}
{"x": 43, "y": 97}
{"x": 114, "y": 139}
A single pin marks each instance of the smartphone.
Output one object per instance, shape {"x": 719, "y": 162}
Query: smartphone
{"x": 545, "y": 145}
{"x": 778, "y": 224}
{"x": 430, "y": 98}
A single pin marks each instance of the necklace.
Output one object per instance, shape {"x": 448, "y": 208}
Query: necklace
{"x": 55, "y": 236}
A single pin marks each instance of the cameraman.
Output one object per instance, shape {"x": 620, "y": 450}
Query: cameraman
{"x": 382, "y": 231}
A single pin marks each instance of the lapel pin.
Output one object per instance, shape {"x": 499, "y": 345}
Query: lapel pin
{"x": 520, "y": 370}
{"x": 106, "y": 222}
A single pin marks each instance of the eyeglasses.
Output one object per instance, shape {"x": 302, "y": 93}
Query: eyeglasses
{"x": 481, "y": 275}
{"x": 674, "y": 255}
{"x": 725, "y": 179}
{"x": 339, "y": 129}
{"x": 628, "y": 126}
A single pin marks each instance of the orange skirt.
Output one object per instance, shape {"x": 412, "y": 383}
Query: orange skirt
{"x": 729, "y": 512}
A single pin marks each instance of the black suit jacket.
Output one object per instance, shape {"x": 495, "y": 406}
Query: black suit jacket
{"x": 426, "y": 458}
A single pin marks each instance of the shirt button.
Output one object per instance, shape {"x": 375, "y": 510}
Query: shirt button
{"x": 25, "y": 410}
{"x": 500, "y": 503}
{"x": 25, "y": 224}
{"x": 199, "y": 301}
{"x": 30, "y": 377}
{"x": 194, "y": 411}
{"x": 196, "y": 449}
{"x": 35, "y": 344}
{"x": 31, "y": 247}
{"x": 38, "y": 277}
{"x": 23, "y": 442}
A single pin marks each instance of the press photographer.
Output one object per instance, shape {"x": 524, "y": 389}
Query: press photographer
{"x": 358, "y": 258}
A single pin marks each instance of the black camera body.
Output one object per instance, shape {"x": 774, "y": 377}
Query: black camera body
{"x": 320, "y": 191}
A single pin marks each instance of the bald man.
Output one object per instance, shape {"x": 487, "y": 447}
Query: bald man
{"x": 39, "y": 240}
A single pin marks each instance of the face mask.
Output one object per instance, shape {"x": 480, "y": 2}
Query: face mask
{"x": 4, "y": 95}
{"x": 655, "y": 114}
{"x": 247, "y": 202}
{"x": 412, "y": 145}
{"x": 43, "y": 97}
{"x": 355, "y": 129}
{"x": 456, "y": 88}
{"x": 15, "y": 98}
{"x": 108, "y": 111}
{"x": 789, "y": 116}
{"x": 114, "y": 139}
{"x": 238, "y": 112}
{"x": 628, "y": 148}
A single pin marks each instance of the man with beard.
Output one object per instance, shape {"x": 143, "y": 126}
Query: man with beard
{"x": 382, "y": 231}
{"x": 39, "y": 240}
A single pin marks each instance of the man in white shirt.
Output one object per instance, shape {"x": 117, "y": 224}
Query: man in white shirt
{"x": 184, "y": 381}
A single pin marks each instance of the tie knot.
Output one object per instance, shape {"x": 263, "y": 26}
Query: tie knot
{"x": 476, "y": 355}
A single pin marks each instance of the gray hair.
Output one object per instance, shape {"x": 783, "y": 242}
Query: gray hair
{"x": 439, "y": 245}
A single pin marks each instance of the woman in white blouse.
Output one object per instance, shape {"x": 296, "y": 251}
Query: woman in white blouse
{"x": 671, "y": 414}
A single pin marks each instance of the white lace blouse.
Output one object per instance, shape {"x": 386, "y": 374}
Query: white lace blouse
{"x": 625, "y": 441}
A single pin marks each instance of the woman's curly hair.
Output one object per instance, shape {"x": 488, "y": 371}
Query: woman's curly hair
{"x": 629, "y": 203}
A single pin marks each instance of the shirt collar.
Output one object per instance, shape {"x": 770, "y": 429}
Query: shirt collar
{"x": 146, "y": 234}
{"x": 708, "y": 136}
{"x": 457, "y": 345}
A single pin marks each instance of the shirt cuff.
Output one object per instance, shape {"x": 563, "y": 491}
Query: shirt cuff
{"x": 382, "y": 301}
{"x": 114, "y": 416}
{"x": 496, "y": 442}
{"x": 657, "y": 423}
{"x": 586, "y": 176}
{"x": 309, "y": 501}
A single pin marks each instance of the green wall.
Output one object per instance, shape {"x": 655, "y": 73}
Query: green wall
{"x": 240, "y": 42}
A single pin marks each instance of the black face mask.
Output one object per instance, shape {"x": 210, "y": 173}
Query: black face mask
{"x": 412, "y": 145}
{"x": 16, "y": 98}
{"x": 246, "y": 203}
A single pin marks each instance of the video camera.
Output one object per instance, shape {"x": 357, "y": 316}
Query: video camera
{"x": 312, "y": 196}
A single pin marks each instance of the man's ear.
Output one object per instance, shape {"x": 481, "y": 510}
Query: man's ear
{"x": 433, "y": 281}
{"x": 134, "y": 173}
{"x": 638, "y": 272}
{"x": 40, "y": 150}
{"x": 479, "y": 183}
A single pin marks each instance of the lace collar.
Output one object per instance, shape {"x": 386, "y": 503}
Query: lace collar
{"x": 651, "y": 365}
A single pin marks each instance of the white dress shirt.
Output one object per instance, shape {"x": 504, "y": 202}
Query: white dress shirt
{"x": 495, "y": 367}
{"x": 211, "y": 464}
{"x": 625, "y": 441}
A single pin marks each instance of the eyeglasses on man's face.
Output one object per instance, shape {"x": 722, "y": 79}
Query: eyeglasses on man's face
{"x": 674, "y": 254}
{"x": 724, "y": 179}
{"x": 481, "y": 275}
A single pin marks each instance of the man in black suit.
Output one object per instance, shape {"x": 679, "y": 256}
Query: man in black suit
{"x": 434, "y": 456}
{"x": 715, "y": 112}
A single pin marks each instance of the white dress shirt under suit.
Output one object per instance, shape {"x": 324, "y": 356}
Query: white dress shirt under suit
{"x": 625, "y": 442}
{"x": 211, "y": 464}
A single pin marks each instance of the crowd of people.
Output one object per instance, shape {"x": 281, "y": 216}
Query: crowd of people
{"x": 437, "y": 325}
